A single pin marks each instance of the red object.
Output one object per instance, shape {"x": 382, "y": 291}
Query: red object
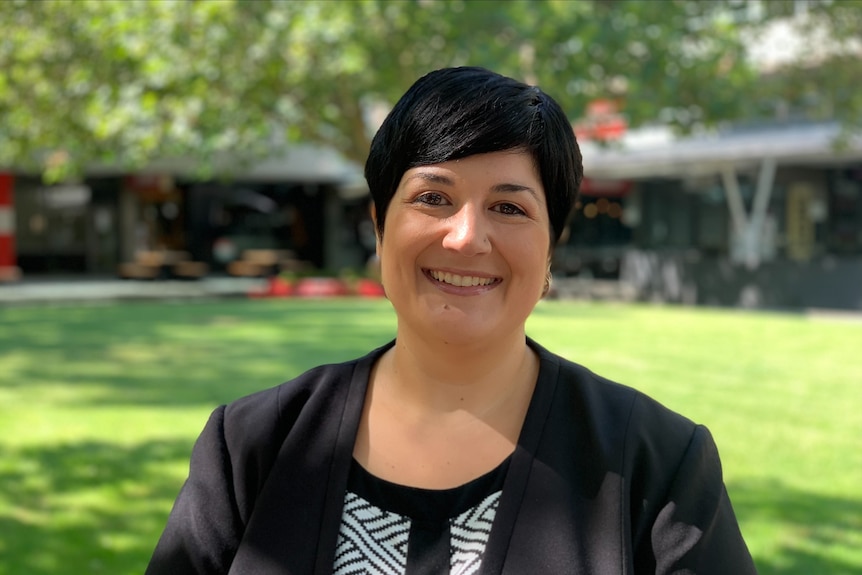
{"x": 8, "y": 268}
{"x": 5, "y": 189}
{"x": 279, "y": 287}
{"x": 369, "y": 288}
{"x": 275, "y": 287}
{"x": 602, "y": 121}
{"x": 320, "y": 287}
{"x": 155, "y": 188}
{"x": 7, "y": 251}
{"x": 601, "y": 108}
{"x": 605, "y": 188}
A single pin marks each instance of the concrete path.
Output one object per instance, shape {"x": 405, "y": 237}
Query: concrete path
{"x": 48, "y": 290}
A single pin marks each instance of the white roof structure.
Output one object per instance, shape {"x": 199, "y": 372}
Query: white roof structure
{"x": 302, "y": 163}
{"x": 639, "y": 155}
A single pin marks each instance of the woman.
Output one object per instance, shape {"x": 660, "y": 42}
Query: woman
{"x": 463, "y": 446}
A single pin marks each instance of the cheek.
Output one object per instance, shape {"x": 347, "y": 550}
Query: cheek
{"x": 536, "y": 249}
{"x": 398, "y": 249}
{"x": 404, "y": 234}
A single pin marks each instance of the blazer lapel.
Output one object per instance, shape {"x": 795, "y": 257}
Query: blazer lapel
{"x": 343, "y": 456}
{"x": 501, "y": 544}
{"x": 294, "y": 528}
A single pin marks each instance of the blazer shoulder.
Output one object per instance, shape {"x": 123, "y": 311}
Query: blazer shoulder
{"x": 256, "y": 429}
{"x": 643, "y": 405}
{"x": 620, "y": 412}
{"x": 647, "y": 440}
{"x": 266, "y": 403}
{"x": 267, "y": 416}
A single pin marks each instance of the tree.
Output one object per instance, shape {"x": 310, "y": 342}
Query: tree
{"x": 122, "y": 82}
{"x": 815, "y": 75}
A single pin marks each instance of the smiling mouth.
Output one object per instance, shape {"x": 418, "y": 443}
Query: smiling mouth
{"x": 461, "y": 281}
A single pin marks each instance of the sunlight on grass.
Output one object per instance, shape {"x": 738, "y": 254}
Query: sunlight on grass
{"x": 100, "y": 405}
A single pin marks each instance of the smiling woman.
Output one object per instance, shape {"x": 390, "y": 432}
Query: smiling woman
{"x": 466, "y": 251}
{"x": 462, "y": 446}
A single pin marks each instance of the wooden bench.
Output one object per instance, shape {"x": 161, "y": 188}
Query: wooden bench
{"x": 153, "y": 264}
{"x": 265, "y": 263}
{"x": 190, "y": 269}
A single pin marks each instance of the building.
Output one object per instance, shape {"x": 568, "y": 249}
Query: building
{"x": 300, "y": 203}
{"x": 766, "y": 216}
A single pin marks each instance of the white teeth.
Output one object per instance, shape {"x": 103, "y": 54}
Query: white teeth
{"x": 460, "y": 281}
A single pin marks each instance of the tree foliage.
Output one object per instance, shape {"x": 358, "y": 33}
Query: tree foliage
{"x": 120, "y": 82}
{"x": 819, "y": 77}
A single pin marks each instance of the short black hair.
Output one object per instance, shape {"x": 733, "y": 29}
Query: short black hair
{"x": 453, "y": 113}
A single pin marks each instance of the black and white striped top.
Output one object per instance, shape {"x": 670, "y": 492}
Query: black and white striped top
{"x": 390, "y": 529}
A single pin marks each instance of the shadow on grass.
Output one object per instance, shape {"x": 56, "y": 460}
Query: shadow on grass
{"x": 98, "y": 506}
{"x": 89, "y": 507}
{"x": 826, "y": 530}
{"x": 193, "y": 354}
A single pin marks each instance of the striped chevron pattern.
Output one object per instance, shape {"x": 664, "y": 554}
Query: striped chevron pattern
{"x": 373, "y": 541}
{"x": 469, "y": 532}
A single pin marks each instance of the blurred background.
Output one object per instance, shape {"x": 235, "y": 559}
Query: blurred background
{"x": 180, "y": 139}
{"x": 163, "y": 149}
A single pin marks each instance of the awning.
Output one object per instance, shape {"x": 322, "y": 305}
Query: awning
{"x": 638, "y": 157}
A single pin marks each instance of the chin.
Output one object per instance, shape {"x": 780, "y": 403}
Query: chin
{"x": 456, "y": 325}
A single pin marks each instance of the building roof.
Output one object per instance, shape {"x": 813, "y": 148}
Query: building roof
{"x": 656, "y": 153}
{"x": 303, "y": 163}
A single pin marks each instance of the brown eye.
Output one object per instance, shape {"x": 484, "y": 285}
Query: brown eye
{"x": 431, "y": 199}
{"x": 509, "y": 209}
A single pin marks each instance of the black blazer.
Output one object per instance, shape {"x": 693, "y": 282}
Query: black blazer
{"x": 603, "y": 481}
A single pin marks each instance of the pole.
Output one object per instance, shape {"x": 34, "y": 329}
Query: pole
{"x": 8, "y": 269}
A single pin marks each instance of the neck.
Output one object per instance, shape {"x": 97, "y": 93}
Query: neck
{"x": 445, "y": 376}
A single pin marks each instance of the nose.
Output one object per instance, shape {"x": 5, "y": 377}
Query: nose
{"x": 467, "y": 232}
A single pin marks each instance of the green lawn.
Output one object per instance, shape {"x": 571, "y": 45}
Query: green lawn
{"x": 100, "y": 405}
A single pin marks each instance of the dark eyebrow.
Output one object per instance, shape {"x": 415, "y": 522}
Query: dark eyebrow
{"x": 432, "y": 178}
{"x": 511, "y": 188}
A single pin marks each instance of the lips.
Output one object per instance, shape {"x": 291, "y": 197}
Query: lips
{"x": 458, "y": 280}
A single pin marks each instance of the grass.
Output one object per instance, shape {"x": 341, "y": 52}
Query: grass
{"x": 100, "y": 405}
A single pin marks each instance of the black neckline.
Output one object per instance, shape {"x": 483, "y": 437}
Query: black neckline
{"x": 425, "y": 504}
